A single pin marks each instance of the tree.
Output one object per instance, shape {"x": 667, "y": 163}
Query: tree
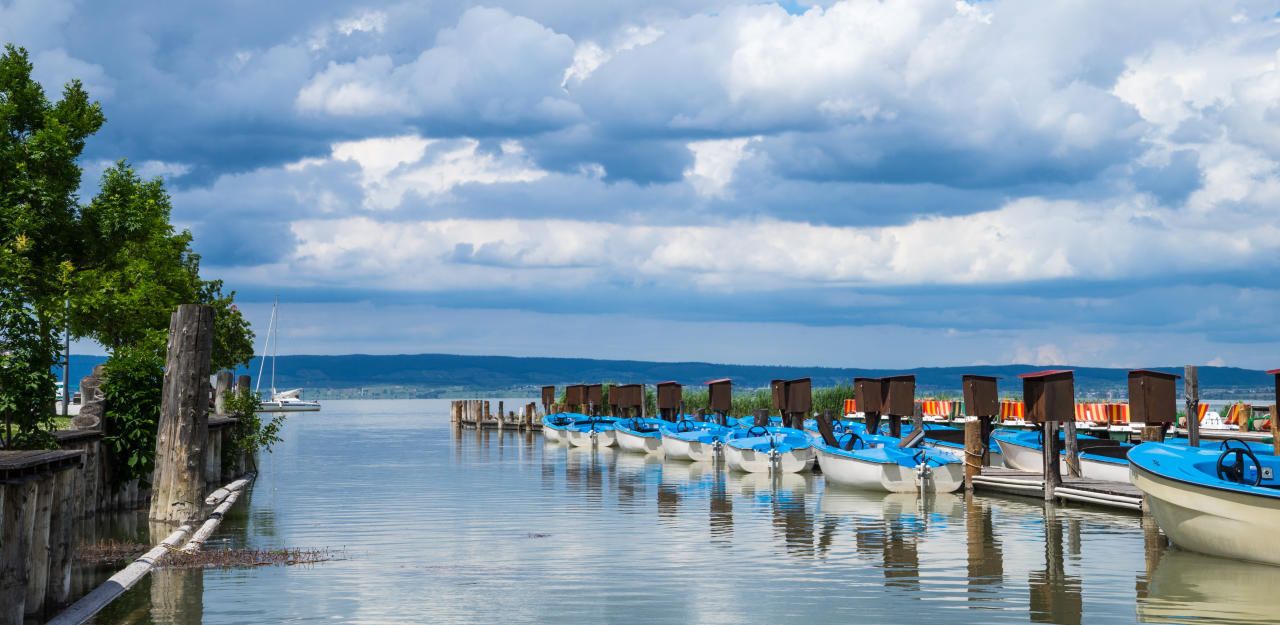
{"x": 137, "y": 268}
{"x": 40, "y": 143}
{"x": 117, "y": 264}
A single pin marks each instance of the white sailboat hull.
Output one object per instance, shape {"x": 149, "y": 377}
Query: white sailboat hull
{"x": 751, "y": 461}
{"x": 271, "y": 406}
{"x": 628, "y": 441}
{"x": 1213, "y": 521}
{"x": 887, "y": 477}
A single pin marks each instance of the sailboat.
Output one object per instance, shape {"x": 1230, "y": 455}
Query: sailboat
{"x": 281, "y": 401}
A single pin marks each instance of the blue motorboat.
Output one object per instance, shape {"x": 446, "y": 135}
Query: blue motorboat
{"x": 1100, "y": 458}
{"x": 760, "y": 449}
{"x": 1222, "y": 502}
{"x": 555, "y": 427}
{"x": 692, "y": 440}
{"x": 874, "y": 462}
{"x": 641, "y": 435}
{"x": 593, "y": 432}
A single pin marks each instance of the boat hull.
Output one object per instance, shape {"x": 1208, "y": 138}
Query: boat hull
{"x": 552, "y": 434}
{"x": 1025, "y": 458}
{"x": 886, "y": 477}
{"x": 630, "y": 441}
{"x": 589, "y": 438}
{"x": 1210, "y": 520}
{"x": 693, "y": 451}
{"x": 752, "y": 461}
{"x": 270, "y": 407}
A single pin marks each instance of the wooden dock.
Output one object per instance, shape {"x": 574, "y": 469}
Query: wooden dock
{"x": 477, "y": 413}
{"x": 1074, "y": 489}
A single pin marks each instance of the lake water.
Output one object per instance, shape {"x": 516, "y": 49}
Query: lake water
{"x": 473, "y": 527}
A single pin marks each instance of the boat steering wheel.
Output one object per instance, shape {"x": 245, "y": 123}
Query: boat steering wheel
{"x": 763, "y": 430}
{"x": 1235, "y": 472}
{"x": 684, "y": 425}
{"x": 850, "y": 439}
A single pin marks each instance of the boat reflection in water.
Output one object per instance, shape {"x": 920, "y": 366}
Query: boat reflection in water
{"x": 1188, "y": 587}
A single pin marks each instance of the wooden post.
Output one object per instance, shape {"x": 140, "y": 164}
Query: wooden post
{"x": 183, "y": 430}
{"x": 15, "y": 545}
{"x": 1073, "y": 448}
{"x": 243, "y": 384}
{"x": 1275, "y": 432}
{"x": 220, "y": 392}
{"x": 213, "y": 457}
{"x": 1191, "y": 388}
{"x": 917, "y": 418}
{"x": 1052, "y": 471}
{"x": 1153, "y": 433}
{"x": 974, "y": 451}
{"x": 38, "y": 558}
{"x": 61, "y": 538}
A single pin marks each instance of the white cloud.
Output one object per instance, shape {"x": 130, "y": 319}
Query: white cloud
{"x": 1026, "y": 240}
{"x": 589, "y": 55}
{"x": 391, "y": 167}
{"x": 714, "y": 163}
{"x": 493, "y": 67}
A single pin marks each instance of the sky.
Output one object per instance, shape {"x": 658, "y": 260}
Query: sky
{"x": 881, "y": 184}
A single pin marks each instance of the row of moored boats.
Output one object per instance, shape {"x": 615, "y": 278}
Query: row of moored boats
{"x": 1219, "y": 498}
{"x": 848, "y": 454}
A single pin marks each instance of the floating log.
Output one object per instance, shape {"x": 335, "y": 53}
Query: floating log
{"x": 215, "y": 519}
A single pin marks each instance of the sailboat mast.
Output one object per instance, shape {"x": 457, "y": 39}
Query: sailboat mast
{"x": 275, "y": 351}
{"x": 266, "y": 345}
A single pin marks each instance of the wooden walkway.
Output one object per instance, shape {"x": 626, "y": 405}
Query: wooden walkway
{"x": 1094, "y": 492}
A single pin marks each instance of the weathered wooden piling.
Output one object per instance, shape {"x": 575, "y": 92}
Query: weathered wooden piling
{"x": 1049, "y": 398}
{"x": 220, "y": 390}
{"x": 982, "y": 403}
{"x": 1191, "y": 391}
{"x": 184, "y": 416}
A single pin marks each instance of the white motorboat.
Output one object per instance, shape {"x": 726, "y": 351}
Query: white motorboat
{"x": 774, "y": 449}
{"x": 639, "y": 435}
{"x": 1221, "y": 502}
{"x": 696, "y": 441}
{"x": 889, "y": 469}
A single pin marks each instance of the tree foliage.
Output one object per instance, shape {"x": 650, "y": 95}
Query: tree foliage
{"x": 116, "y": 264}
{"x": 131, "y": 396}
{"x": 252, "y": 432}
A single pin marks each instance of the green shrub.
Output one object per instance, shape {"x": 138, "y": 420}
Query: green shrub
{"x": 131, "y": 391}
{"x": 251, "y": 433}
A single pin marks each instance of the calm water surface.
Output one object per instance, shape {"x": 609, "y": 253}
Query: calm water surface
{"x": 437, "y": 527}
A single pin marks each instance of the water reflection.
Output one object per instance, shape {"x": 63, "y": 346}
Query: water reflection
{"x": 579, "y": 536}
{"x": 1055, "y": 596}
{"x": 1188, "y": 587}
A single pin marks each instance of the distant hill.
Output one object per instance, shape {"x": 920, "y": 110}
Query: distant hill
{"x": 434, "y": 375}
